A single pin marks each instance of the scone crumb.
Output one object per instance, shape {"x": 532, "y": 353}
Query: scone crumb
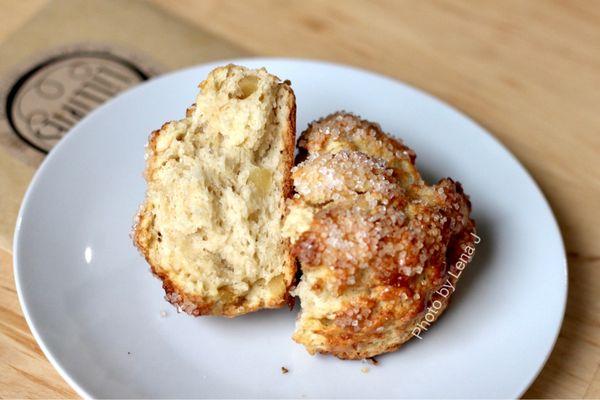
{"x": 284, "y": 370}
{"x": 163, "y": 313}
{"x": 365, "y": 370}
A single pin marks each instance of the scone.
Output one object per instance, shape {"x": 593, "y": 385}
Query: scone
{"x": 211, "y": 224}
{"x": 378, "y": 247}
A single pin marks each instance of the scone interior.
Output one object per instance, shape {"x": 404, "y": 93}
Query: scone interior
{"x": 374, "y": 241}
{"x": 210, "y": 226}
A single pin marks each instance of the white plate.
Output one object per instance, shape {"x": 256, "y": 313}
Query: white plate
{"x": 96, "y": 310}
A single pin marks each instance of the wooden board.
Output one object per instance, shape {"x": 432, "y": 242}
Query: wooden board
{"x": 528, "y": 71}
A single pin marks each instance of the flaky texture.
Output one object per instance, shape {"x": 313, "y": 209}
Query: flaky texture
{"x": 210, "y": 226}
{"x": 374, "y": 241}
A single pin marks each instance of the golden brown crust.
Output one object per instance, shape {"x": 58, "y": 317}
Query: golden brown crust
{"x": 374, "y": 256}
{"x": 143, "y": 236}
{"x": 288, "y": 186}
{"x": 342, "y": 130}
{"x": 325, "y": 177}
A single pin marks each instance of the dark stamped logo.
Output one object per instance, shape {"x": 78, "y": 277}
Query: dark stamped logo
{"x": 48, "y": 99}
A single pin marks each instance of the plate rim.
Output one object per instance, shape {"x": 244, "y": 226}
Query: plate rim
{"x": 266, "y": 60}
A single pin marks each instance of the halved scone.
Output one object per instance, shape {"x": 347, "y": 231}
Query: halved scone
{"x": 210, "y": 226}
{"x": 379, "y": 249}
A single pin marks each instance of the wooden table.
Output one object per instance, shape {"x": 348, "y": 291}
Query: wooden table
{"x": 528, "y": 71}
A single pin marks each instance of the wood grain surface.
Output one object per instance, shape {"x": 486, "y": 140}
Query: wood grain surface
{"x": 528, "y": 71}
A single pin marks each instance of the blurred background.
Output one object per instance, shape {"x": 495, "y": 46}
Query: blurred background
{"x": 528, "y": 71}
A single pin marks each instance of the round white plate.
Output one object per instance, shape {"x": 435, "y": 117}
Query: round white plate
{"x": 98, "y": 314}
